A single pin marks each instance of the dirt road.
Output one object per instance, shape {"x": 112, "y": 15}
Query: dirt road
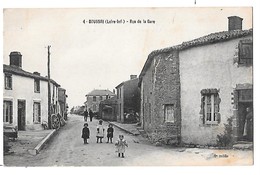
{"x": 67, "y": 149}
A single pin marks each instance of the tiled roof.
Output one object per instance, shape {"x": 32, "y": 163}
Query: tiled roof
{"x": 127, "y": 81}
{"x": 21, "y": 72}
{"x": 102, "y": 92}
{"x": 208, "y": 39}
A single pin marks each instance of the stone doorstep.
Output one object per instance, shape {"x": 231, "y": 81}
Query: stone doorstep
{"x": 246, "y": 146}
{"x": 40, "y": 145}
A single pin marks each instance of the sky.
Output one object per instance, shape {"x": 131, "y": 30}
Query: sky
{"x": 100, "y": 56}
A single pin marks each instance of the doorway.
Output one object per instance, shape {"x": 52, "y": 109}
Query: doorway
{"x": 244, "y": 114}
{"x": 21, "y": 115}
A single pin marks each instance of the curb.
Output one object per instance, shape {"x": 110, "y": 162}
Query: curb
{"x": 40, "y": 145}
{"x": 135, "y": 134}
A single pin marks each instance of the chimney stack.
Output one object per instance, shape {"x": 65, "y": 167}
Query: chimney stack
{"x": 37, "y": 73}
{"x": 133, "y": 77}
{"x": 234, "y": 23}
{"x": 16, "y": 59}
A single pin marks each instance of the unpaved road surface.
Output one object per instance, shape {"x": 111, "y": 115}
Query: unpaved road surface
{"x": 67, "y": 149}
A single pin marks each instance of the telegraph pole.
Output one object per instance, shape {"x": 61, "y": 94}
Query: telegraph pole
{"x": 49, "y": 90}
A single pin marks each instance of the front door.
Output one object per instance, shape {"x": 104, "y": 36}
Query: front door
{"x": 21, "y": 115}
{"x": 245, "y": 115}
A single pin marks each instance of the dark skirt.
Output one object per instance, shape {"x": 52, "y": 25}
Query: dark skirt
{"x": 110, "y": 135}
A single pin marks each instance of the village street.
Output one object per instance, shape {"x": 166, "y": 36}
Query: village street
{"x": 67, "y": 149}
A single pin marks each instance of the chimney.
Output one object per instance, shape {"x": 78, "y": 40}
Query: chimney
{"x": 37, "y": 73}
{"x": 133, "y": 77}
{"x": 16, "y": 59}
{"x": 234, "y": 23}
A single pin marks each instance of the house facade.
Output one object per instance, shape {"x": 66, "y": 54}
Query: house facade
{"x": 94, "y": 98}
{"x": 189, "y": 91}
{"x": 25, "y": 96}
{"x": 128, "y": 100}
{"x": 62, "y": 98}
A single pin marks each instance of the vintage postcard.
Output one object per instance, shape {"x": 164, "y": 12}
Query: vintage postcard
{"x": 128, "y": 86}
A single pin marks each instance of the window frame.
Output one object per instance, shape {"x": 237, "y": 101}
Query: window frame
{"x": 37, "y": 85}
{"x": 210, "y": 101}
{"x": 166, "y": 117}
{"x": 94, "y": 98}
{"x": 39, "y": 118}
{"x": 10, "y": 118}
{"x": 10, "y": 78}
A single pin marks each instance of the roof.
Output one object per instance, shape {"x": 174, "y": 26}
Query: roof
{"x": 204, "y": 40}
{"x": 100, "y": 92}
{"x": 128, "y": 81}
{"x": 18, "y": 71}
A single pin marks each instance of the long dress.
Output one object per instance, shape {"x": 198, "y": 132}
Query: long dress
{"x": 120, "y": 146}
{"x": 100, "y": 131}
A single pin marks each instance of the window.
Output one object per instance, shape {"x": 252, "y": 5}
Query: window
{"x": 94, "y": 108}
{"x": 8, "y": 81}
{"x": 246, "y": 52}
{"x": 100, "y": 98}
{"x": 210, "y": 106}
{"x": 36, "y": 112}
{"x": 94, "y": 98}
{"x": 169, "y": 113}
{"x": 8, "y": 111}
{"x": 36, "y": 85}
{"x": 107, "y": 96}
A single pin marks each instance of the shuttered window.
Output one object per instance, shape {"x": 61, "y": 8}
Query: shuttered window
{"x": 246, "y": 52}
{"x": 210, "y": 106}
{"x": 8, "y": 111}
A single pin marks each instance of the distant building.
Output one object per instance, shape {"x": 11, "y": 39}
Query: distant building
{"x": 128, "y": 100}
{"x": 96, "y": 96}
{"x": 189, "y": 91}
{"x": 25, "y": 96}
{"x": 108, "y": 109}
{"x": 63, "y": 102}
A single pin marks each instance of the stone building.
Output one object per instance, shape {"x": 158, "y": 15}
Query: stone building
{"x": 94, "y": 98}
{"x": 108, "y": 109}
{"x": 25, "y": 96}
{"x": 128, "y": 100}
{"x": 189, "y": 91}
{"x": 62, "y": 98}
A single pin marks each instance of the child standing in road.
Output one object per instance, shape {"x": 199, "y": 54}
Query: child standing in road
{"x": 110, "y": 131}
{"x": 120, "y": 146}
{"x": 85, "y": 133}
{"x": 100, "y": 131}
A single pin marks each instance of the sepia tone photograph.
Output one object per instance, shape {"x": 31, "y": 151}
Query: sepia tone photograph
{"x": 128, "y": 86}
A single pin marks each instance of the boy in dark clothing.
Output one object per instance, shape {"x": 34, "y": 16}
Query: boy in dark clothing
{"x": 85, "y": 133}
{"x": 110, "y": 131}
{"x": 86, "y": 115}
{"x": 90, "y": 114}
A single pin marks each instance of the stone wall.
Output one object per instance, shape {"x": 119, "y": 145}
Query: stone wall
{"x": 161, "y": 86}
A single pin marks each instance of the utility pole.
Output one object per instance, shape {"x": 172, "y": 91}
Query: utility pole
{"x": 49, "y": 90}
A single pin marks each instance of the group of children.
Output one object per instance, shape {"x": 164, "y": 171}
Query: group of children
{"x": 120, "y": 143}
